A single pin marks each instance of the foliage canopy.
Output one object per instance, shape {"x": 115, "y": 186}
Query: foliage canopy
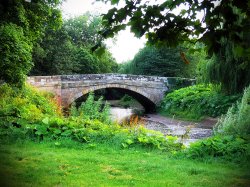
{"x": 22, "y": 24}
{"x": 160, "y": 22}
{"x": 223, "y": 26}
{"x": 162, "y": 61}
{"x": 15, "y": 54}
{"x": 34, "y": 17}
{"x": 68, "y": 49}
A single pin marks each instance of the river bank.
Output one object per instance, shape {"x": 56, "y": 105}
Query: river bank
{"x": 187, "y": 131}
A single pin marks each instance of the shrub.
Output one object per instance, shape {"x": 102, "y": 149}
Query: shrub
{"x": 91, "y": 131}
{"x": 26, "y": 104}
{"x": 195, "y": 102}
{"x": 237, "y": 119}
{"x": 126, "y": 98}
{"x": 224, "y": 147}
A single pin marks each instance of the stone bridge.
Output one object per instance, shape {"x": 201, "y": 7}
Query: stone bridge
{"x": 148, "y": 90}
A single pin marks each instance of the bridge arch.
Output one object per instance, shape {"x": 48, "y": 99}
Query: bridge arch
{"x": 143, "y": 98}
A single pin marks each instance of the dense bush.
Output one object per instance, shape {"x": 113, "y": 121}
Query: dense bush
{"x": 237, "y": 119}
{"x": 224, "y": 147}
{"x": 26, "y": 104}
{"x": 197, "y": 101}
{"x": 91, "y": 131}
{"x": 22, "y": 25}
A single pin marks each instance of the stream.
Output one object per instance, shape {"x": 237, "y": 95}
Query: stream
{"x": 187, "y": 131}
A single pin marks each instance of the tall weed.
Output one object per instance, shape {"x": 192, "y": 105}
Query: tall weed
{"x": 237, "y": 119}
{"x": 92, "y": 109}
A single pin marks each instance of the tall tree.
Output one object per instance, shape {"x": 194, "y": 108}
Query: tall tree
{"x": 33, "y": 17}
{"x": 54, "y": 55}
{"x": 84, "y": 29}
{"x": 22, "y": 24}
{"x": 67, "y": 50}
{"x": 162, "y": 61}
{"x": 15, "y": 55}
{"x": 230, "y": 68}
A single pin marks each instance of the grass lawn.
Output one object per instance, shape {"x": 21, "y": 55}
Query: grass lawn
{"x": 67, "y": 163}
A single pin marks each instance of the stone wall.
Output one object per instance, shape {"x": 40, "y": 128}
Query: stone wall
{"x": 47, "y": 83}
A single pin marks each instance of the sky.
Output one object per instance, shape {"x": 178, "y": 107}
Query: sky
{"x": 124, "y": 47}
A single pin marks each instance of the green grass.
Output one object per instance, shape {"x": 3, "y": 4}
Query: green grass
{"x": 68, "y": 163}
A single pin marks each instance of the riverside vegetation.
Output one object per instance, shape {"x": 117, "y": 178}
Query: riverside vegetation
{"x": 87, "y": 148}
{"x": 196, "y": 102}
